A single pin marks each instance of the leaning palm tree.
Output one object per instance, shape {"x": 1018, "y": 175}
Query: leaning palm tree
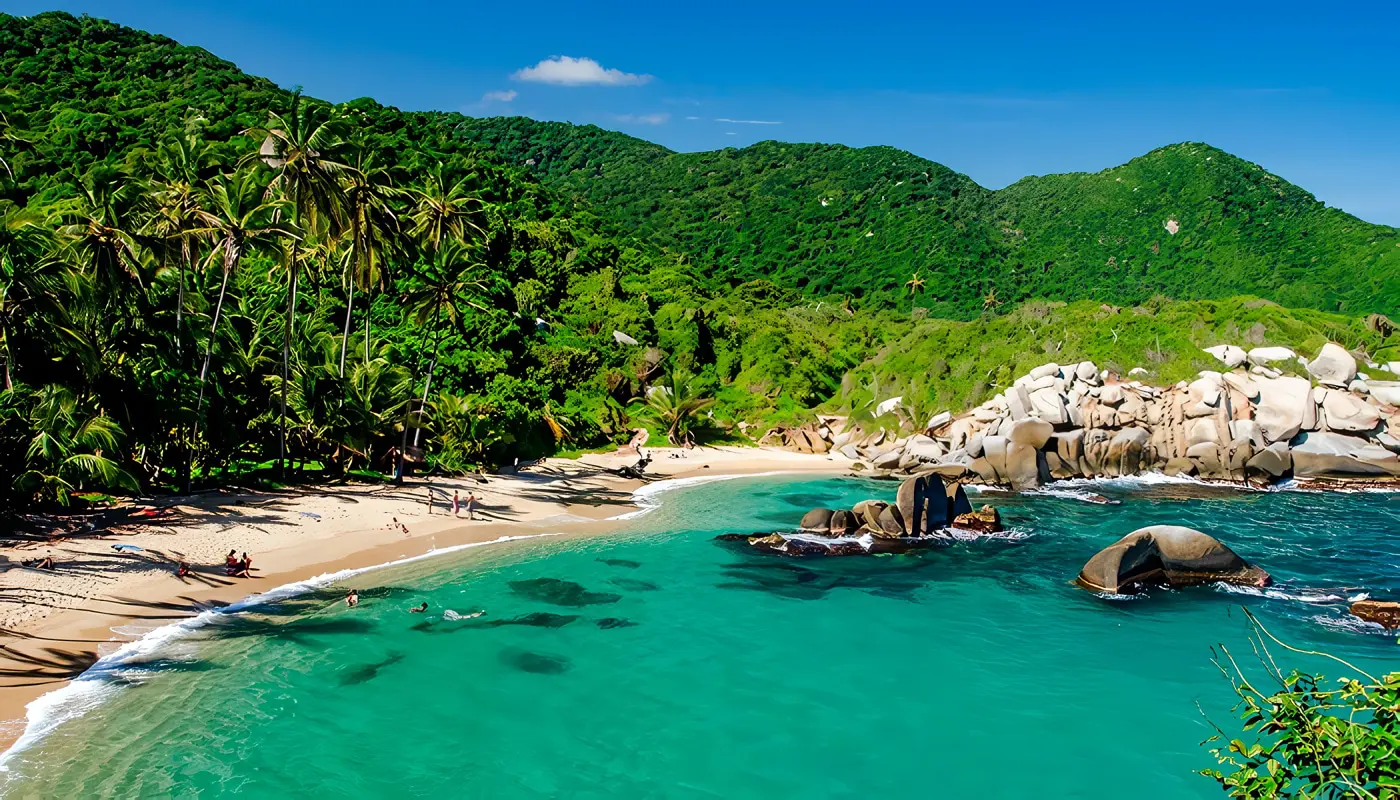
{"x": 914, "y": 284}
{"x": 675, "y": 402}
{"x": 375, "y": 234}
{"x": 447, "y": 285}
{"x": 238, "y": 218}
{"x": 306, "y": 149}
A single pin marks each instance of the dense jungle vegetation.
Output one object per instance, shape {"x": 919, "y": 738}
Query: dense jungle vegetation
{"x": 203, "y": 274}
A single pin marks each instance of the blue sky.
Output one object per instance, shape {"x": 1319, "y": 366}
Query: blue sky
{"x": 994, "y": 90}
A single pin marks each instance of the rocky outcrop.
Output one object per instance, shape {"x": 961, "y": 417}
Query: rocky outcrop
{"x": 1271, "y": 415}
{"x": 1382, "y": 612}
{"x": 1166, "y": 555}
{"x": 925, "y": 512}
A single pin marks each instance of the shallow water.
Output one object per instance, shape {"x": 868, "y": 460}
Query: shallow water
{"x": 661, "y": 663}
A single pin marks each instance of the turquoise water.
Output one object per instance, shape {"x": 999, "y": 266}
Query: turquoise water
{"x": 677, "y": 666}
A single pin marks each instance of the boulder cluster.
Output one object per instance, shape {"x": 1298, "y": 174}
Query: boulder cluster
{"x": 924, "y": 512}
{"x": 1268, "y": 414}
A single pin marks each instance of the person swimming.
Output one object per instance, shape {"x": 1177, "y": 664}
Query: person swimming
{"x": 419, "y": 609}
{"x": 352, "y": 598}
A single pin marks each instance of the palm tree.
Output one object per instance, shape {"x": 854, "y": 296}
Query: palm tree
{"x": 176, "y": 219}
{"x": 446, "y": 287}
{"x": 68, "y": 448}
{"x": 374, "y": 234}
{"x": 914, "y": 284}
{"x": 306, "y": 150}
{"x": 442, "y": 212}
{"x": 99, "y": 241}
{"x": 237, "y": 216}
{"x": 990, "y": 301}
{"x": 30, "y": 280}
{"x": 676, "y": 403}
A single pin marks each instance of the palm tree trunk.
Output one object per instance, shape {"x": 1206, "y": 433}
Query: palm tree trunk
{"x": 427, "y": 382}
{"x": 208, "y": 355}
{"x": 345, "y": 337}
{"x": 287, "y": 357}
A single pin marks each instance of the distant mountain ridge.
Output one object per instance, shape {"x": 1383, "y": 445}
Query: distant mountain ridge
{"x": 876, "y": 224}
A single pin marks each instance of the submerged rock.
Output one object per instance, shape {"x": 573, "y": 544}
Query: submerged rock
{"x": 561, "y": 593}
{"x": 1166, "y": 555}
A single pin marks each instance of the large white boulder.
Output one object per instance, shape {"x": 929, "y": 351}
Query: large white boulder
{"x": 1345, "y": 412}
{"x": 1267, "y": 355}
{"x": 1034, "y": 432}
{"x": 1231, "y": 355}
{"x": 1045, "y": 371}
{"x": 1387, "y": 392}
{"x": 1333, "y": 366}
{"x": 1333, "y": 454}
{"x": 1049, "y": 405}
{"x": 1282, "y": 406}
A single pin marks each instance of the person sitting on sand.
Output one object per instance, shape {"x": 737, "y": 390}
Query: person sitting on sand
{"x": 419, "y": 609}
{"x": 45, "y": 563}
{"x": 231, "y": 562}
{"x": 245, "y": 567}
{"x": 352, "y": 598}
{"x": 182, "y": 569}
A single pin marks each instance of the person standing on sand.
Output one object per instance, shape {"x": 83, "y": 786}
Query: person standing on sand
{"x": 471, "y": 506}
{"x": 430, "y": 501}
{"x": 456, "y": 503}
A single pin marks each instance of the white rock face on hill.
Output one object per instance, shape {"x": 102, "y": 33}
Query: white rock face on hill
{"x": 1252, "y": 422}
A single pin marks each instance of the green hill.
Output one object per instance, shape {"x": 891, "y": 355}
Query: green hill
{"x": 776, "y": 273}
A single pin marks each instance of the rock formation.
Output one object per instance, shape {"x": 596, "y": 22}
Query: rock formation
{"x": 1166, "y": 555}
{"x": 1382, "y": 612}
{"x": 925, "y": 512}
{"x": 1271, "y": 415}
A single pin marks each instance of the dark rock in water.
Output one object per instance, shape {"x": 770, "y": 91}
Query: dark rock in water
{"x": 1382, "y": 612}
{"x": 844, "y": 523}
{"x": 369, "y": 672}
{"x": 891, "y": 521}
{"x": 817, "y": 520}
{"x": 958, "y": 504}
{"x": 607, "y": 623}
{"x": 634, "y": 585}
{"x": 733, "y": 537}
{"x": 922, "y": 504}
{"x": 1166, "y": 555}
{"x": 621, "y": 562}
{"x": 561, "y": 593}
{"x": 538, "y": 663}
{"x": 537, "y": 619}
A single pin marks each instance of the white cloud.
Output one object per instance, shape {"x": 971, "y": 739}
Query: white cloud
{"x": 731, "y": 133}
{"x": 692, "y": 118}
{"x": 643, "y": 119}
{"x": 500, "y": 97}
{"x": 570, "y": 71}
{"x": 749, "y": 121}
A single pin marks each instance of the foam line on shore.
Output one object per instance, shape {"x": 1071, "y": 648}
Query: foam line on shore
{"x": 643, "y": 496}
{"x": 89, "y": 689}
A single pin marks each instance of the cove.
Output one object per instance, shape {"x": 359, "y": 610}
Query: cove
{"x": 659, "y": 662}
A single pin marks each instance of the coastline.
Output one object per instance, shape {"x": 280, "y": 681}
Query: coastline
{"x": 58, "y": 624}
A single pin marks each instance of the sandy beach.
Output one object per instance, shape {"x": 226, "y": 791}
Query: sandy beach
{"x": 114, "y": 585}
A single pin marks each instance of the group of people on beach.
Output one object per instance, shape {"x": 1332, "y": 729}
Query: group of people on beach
{"x": 238, "y": 567}
{"x": 457, "y": 503}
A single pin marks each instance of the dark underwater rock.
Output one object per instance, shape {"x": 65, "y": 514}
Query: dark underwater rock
{"x": 538, "y": 663}
{"x": 621, "y": 562}
{"x": 561, "y": 593}
{"x": 608, "y": 623}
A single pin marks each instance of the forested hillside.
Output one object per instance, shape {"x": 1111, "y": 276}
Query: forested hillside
{"x": 203, "y": 275}
{"x": 1188, "y": 221}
